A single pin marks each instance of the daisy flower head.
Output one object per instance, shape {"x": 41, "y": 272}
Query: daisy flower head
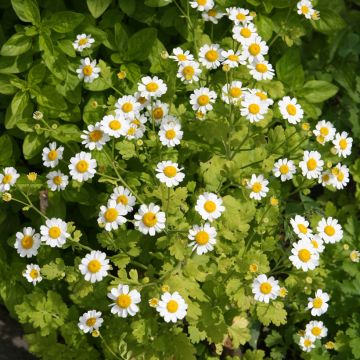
{"x": 209, "y": 206}
{"x": 263, "y": 96}
{"x": 94, "y": 138}
{"x": 324, "y": 131}
{"x": 82, "y": 167}
{"x": 52, "y": 154}
{"x": 179, "y": 55}
{"x": 115, "y": 125}
{"x": 311, "y": 165}
{"x": 232, "y": 58}
{"x": 170, "y": 134}
{"x": 254, "y": 49}
{"x": 111, "y": 215}
{"x": 290, "y": 110}
{"x": 90, "y": 321}
{"x": 32, "y": 273}
{"x": 202, "y": 5}
{"x": 258, "y": 186}
{"x": 330, "y": 230}
{"x": 202, "y": 99}
{"x": 188, "y": 72}
{"x": 54, "y": 232}
{"x": 149, "y": 219}
{"x": 203, "y": 238}
{"x": 304, "y": 7}
{"x": 239, "y": 15}
{"x": 342, "y": 144}
{"x": 213, "y": 15}
{"x": 307, "y": 343}
{"x": 262, "y": 70}
{"x": 8, "y": 178}
{"x": 172, "y": 307}
{"x": 316, "y": 329}
{"x": 326, "y": 178}
{"x": 318, "y": 305}
{"x": 88, "y": 71}
{"x": 285, "y": 169}
{"x": 253, "y": 108}
{"x": 127, "y": 106}
{"x": 82, "y": 42}
{"x": 210, "y": 56}
{"x": 317, "y": 243}
{"x": 151, "y": 87}
{"x": 57, "y": 181}
{"x": 142, "y": 100}
{"x": 135, "y": 132}
{"x": 232, "y": 93}
{"x": 244, "y": 32}
{"x": 125, "y": 301}
{"x": 265, "y": 289}
{"x": 94, "y": 266}
{"x": 169, "y": 173}
{"x": 27, "y": 242}
{"x": 340, "y": 176}
{"x": 158, "y": 110}
{"x": 301, "y": 227}
{"x": 355, "y": 256}
{"x": 124, "y": 198}
{"x": 304, "y": 255}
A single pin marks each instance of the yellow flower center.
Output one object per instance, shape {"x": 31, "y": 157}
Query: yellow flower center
{"x": 212, "y": 12}
{"x": 122, "y": 199}
{"x": 317, "y": 302}
{"x": 203, "y": 100}
{"x": 141, "y": 100}
{"x": 254, "y": 49}
{"x": 233, "y": 57}
{"x": 262, "y": 68}
{"x": 240, "y": 17}
{"x": 324, "y": 131}
{"x": 181, "y": 57}
{"x": 307, "y": 343}
{"x": 136, "y": 122}
{"x": 202, "y": 237}
{"x": 91, "y": 322}
{"x": 329, "y": 230}
{"x": 202, "y": 2}
{"x": 209, "y": 206}
{"x": 304, "y": 9}
{"x": 172, "y": 306}
{"x": 254, "y": 109}
{"x": 245, "y": 32}
{"x": 265, "y": 288}
{"x": 340, "y": 176}
{"x": 158, "y": 113}
{"x": 170, "y": 134}
{"x": 115, "y": 125}
{"x": 54, "y": 232}
{"x": 149, "y": 219}
{"x": 343, "y": 144}
{"x": 52, "y": 155}
{"x": 94, "y": 266}
{"x": 212, "y": 55}
{"x": 257, "y": 187}
{"x": 315, "y": 244}
{"x": 34, "y": 273}
{"x": 302, "y": 228}
{"x": 188, "y": 72}
{"x": 27, "y": 242}
{"x": 127, "y": 107}
{"x": 253, "y": 267}
{"x": 235, "y": 92}
{"x": 57, "y": 180}
{"x": 304, "y": 255}
{"x": 326, "y": 177}
{"x": 261, "y": 95}
{"x": 152, "y": 86}
{"x": 83, "y": 41}
{"x": 284, "y": 169}
{"x": 291, "y": 109}
{"x": 82, "y": 166}
{"x": 311, "y": 164}
{"x": 123, "y": 301}
{"x": 316, "y": 331}
{"x": 111, "y": 214}
{"x": 170, "y": 171}
{"x": 87, "y": 70}
{"x": 95, "y": 135}
{"x": 7, "y": 178}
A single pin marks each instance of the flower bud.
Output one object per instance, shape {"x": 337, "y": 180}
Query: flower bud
{"x": 6, "y": 197}
{"x": 38, "y": 115}
{"x": 121, "y": 75}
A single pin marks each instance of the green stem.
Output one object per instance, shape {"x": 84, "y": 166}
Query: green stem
{"x": 33, "y": 206}
{"x": 110, "y": 350}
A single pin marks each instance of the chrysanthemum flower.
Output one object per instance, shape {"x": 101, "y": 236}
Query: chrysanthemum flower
{"x": 124, "y": 198}
{"x": 326, "y": 178}
{"x": 202, "y": 5}
{"x": 318, "y": 304}
{"x": 304, "y": 7}
{"x": 253, "y": 108}
{"x": 317, "y": 243}
{"x": 265, "y": 289}
{"x": 54, "y": 232}
{"x": 57, "y": 181}
{"x": 151, "y": 87}
{"x": 355, "y": 256}
{"x": 127, "y": 106}
{"x": 111, "y": 216}
{"x": 262, "y": 70}
{"x": 169, "y": 173}
{"x": 239, "y": 15}
{"x": 32, "y": 273}
{"x": 285, "y": 169}
{"x": 304, "y": 256}
{"x": 189, "y": 71}
{"x": 330, "y": 230}
{"x": 115, "y": 125}
{"x": 8, "y": 178}
{"x": 343, "y": 144}
{"x": 340, "y": 176}
{"x": 52, "y": 154}
{"x": 27, "y": 242}
{"x": 124, "y": 301}
{"x": 290, "y": 110}
{"x": 170, "y": 134}
{"x": 232, "y": 93}
{"x": 244, "y": 32}
{"x": 210, "y": 56}
{"x": 82, "y": 42}
{"x": 316, "y": 329}
{"x": 209, "y": 206}
{"x": 232, "y": 58}
{"x": 301, "y": 227}
{"x": 94, "y": 266}
{"x": 158, "y": 110}
{"x": 82, "y": 167}
{"x": 311, "y": 165}
{"x": 94, "y": 137}
{"x": 324, "y": 131}
{"x": 90, "y": 321}
{"x": 88, "y": 70}
{"x": 307, "y": 343}
{"x": 180, "y": 55}
{"x": 213, "y": 15}
{"x": 203, "y": 238}
{"x": 149, "y": 219}
{"x": 202, "y": 99}
{"x": 254, "y": 49}
{"x": 172, "y": 307}
{"x": 258, "y": 186}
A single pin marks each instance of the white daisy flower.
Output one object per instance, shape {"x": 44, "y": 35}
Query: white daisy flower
{"x": 54, "y": 232}
{"x": 94, "y": 266}
{"x": 253, "y": 108}
{"x": 90, "y": 321}
{"x": 169, "y": 173}
{"x": 213, "y": 15}
{"x": 172, "y": 307}
{"x": 170, "y": 134}
{"x": 330, "y": 230}
{"x": 169, "y": 120}
{"x": 290, "y": 110}
{"x": 124, "y": 301}
{"x": 304, "y": 7}
{"x": 304, "y": 256}
{"x": 32, "y": 273}
{"x": 340, "y": 176}
{"x": 355, "y": 256}
{"x": 142, "y": 100}
{"x": 261, "y": 71}
{"x": 135, "y": 132}
{"x": 203, "y": 238}
{"x": 202, "y": 99}
{"x": 209, "y": 206}
{"x": 258, "y": 186}
{"x": 239, "y": 15}
{"x": 139, "y": 120}
{"x": 262, "y": 95}
{"x": 57, "y": 181}
{"x": 342, "y": 144}
{"x": 324, "y": 131}
{"x": 82, "y": 167}
{"x": 8, "y": 178}
{"x": 52, "y": 154}
{"x": 316, "y": 329}
{"x": 158, "y": 110}
{"x": 189, "y": 71}
{"x": 317, "y": 243}
{"x": 301, "y": 227}
{"x": 285, "y": 169}
{"x": 244, "y": 32}
{"x": 88, "y": 70}
{"x": 318, "y": 304}
{"x": 149, "y": 219}
{"x": 27, "y": 242}
{"x": 210, "y": 56}
{"x": 326, "y": 178}
{"x": 115, "y": 125}
{"x": 232, "y": 58}
{"x": 111, "y": 216}
{"x": 202, "y": 5}
{"x": 311, "y": 165}
{"x": 94, "y": 137}
{"x": 307, "y": 343}
{"x": 180, "y": 55}
{"x": 232, "y": 93}
{"x": 265, "y": 289}
{"x": 82, "y": 42}
{"x": 127, "y": 106}
{"x": 124, "y": 198}
{"x": 151, "y": 87}
{"x": 254, "y": 49}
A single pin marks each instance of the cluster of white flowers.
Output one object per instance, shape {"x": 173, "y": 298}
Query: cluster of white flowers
{"x": 305, "y": 8}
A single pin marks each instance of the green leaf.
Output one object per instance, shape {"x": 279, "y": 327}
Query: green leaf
{"x": 264, "y": 26}
{"x": 140, "y": 44}
{"x": 289, "y": 69}
{"x": 66, "y": 133}
{"x": 37, "y": 74}
{"x": 273, "y": 312}
{"x": 50, "y": 98}
{"x": 19, "y": 103}
{"x": 329, "y": 22}
{"x": 316, "y": 91}
{"x": 33, "y": 144}
{"x": 6, "y": 147}
{"x": 64, "y": 21}
{"x": 16, "y": 45}
{"x": 97, "y": 7}
{"x": 27, "y": 10}
{"x": 6, "y": 87}
{"x": 157, "y": 3}
{"x": 54, "y": 270}
{"x": 126, "y": 149}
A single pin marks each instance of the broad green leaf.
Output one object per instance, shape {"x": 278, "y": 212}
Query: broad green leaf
{"x": 316, "y": 91}
{"x": 6, "y": 87}
{"x": 6, "y": 147}
{"x": 97, "y": 7}
{"x": 50, "y": 98}
{"x": 329, "y": 22}
{"x": 64, "y": 21}
{"x": 16, "y": 45}
{"x": 19, "y": 103}
{"x": 33, "y": 144}
{"x": 157, "y": 3}
{"x": 273, "y": 312}
{"x": 264, "y": 26}
{"x": 289, "y": 69}
{"x": 66, "y": 133}
{"x": 27, "y": 10}
{"x": 140, "y": 44}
